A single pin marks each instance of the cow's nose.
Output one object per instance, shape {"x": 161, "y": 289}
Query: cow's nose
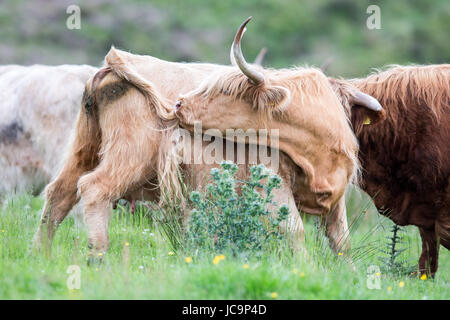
{"x": 323, "y": 196}
{"x": 177, "y": 106}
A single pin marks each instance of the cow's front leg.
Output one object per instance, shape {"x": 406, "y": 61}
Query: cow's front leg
{"x": 95, "y": 192}
{"x": 336, "y": 228}
{"x": 293, "y": 225}
{"x": 428, "y": 261}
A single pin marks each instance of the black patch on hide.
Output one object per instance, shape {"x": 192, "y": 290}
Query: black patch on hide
{"x": 10, "y": 133}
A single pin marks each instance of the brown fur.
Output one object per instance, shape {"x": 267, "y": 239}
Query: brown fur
{"x": 406, "y": 158}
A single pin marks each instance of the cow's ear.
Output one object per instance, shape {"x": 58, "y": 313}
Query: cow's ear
{"x": 361, "y": 116}
{"x": 363, "y": 108}
{"x": 98, "y": 77}
{"x": 274, "y": 97}
{"x": 114, "y": 57}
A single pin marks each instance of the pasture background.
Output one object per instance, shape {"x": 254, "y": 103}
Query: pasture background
{"x": 295, "y": 33}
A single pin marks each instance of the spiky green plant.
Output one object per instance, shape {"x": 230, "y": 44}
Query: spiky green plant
{"x": 241, "y": 223}
{"x": 393, "y": 262}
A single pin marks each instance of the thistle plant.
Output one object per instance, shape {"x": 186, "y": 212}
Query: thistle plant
{"x": 392, "y": 262}
{"x": 224, "y": 220}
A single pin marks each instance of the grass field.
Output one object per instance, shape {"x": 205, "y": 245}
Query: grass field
{"x": 141, "y": 264}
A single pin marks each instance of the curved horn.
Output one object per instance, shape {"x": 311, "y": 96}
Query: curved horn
{"x": 367, "y": 101}
{"x": 260, "y": 57}
{"x": 255, "y": 76}
{"x": 326, "y": 64}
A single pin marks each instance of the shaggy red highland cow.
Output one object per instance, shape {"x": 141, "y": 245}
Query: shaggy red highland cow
{"x": 406, "y": 158}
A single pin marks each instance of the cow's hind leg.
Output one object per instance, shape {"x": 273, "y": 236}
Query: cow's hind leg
{"x": 97, "y": 190}
{"x": 428, "y": 261}
{"x": 61, "y": 194}
{"x": 442, "y": 226}
{"x": 60, "y": 197}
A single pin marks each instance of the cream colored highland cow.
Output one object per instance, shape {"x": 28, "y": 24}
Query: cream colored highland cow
{"x": 123, "y": 145}
{"x": 38, "y": 108}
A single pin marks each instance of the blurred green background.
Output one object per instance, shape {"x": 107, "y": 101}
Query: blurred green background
{"x": 294, "y": 32}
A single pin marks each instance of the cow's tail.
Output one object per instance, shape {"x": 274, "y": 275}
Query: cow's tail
{"x": 172, "y": 187}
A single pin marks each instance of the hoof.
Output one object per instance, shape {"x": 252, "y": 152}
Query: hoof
{"x": 420, "y": 274}
{"x": 95, "y": 257}
{"x": 94, "y": 260}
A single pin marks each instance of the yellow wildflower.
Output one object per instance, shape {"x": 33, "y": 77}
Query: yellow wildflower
{"x": 245, "y": 266}
{"x": 274, "y": 295}
{"x": 389, "y": 288}
{"x": 295, "y": 271}
{"x": 340, "y": 254}
{"x": 127, "y": 244}
{"x": 423, "y": 277}
{"x": 100, "y": 254}
{"x": 401, "y": 284}
{"x": 218, "y": 258}
{"x": 302, "y": 274}
{"x": 188, "y": 259}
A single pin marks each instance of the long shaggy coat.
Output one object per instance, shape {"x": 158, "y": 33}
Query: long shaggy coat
{"x": 406, "y": 158}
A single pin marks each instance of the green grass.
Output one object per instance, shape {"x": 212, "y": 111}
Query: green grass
{"x": 145, "y": 270}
